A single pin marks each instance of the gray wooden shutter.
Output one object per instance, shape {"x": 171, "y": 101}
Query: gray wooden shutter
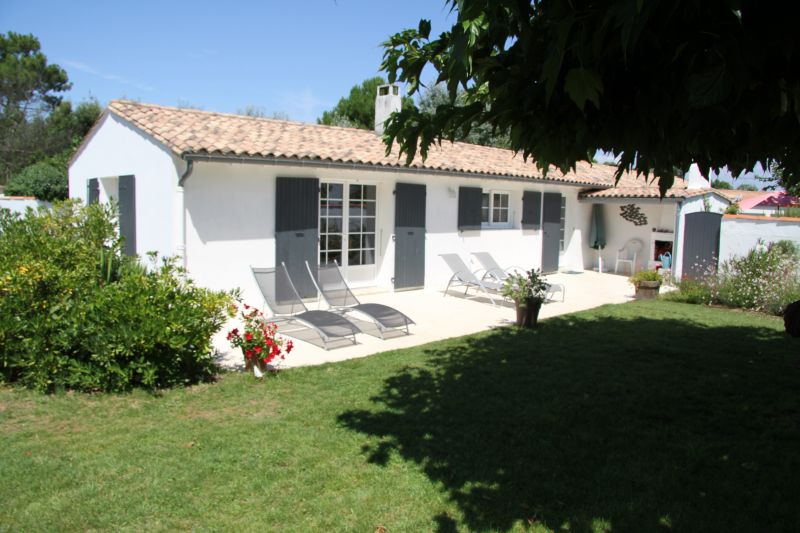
{"x": 127, "y": 213}
{"x": 92, "y": 191}
{"x": 531, "y": 210}
{"x": 551, "y": 231}
{"x": 469, "y": 208}
{"x": 700, "y": 244}
{"x": 409, "y": 250}
{"x": 297, "y": 229}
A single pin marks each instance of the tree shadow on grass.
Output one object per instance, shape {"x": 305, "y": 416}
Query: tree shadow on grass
{"x": 602, "y": 424}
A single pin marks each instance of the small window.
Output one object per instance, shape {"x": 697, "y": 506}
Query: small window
{"x": 495, "y": 210}
{"x": 562, "y": 223}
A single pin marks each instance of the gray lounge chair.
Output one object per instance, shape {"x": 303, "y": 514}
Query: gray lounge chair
{"x": 282, "y": 299}
{"x": 499, "y": 274}
{"x": 336, "y": 293}
{"x": 492, "y": 269}
{"x": 463, "y": 276}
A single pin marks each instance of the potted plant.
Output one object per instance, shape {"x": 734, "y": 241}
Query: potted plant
{"x": 528, "y": 292}
{"x": 647, "y": 283}
{"x": 259, "y": 342}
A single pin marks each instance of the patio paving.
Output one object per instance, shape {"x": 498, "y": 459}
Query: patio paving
{"x": 440, "y": 317}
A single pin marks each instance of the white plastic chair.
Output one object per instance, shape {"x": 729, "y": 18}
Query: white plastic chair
{"x": 627, "y": 254}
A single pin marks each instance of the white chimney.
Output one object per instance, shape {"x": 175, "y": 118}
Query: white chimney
{"x": 695, "y": 180}
{"x": 387, "y": 101}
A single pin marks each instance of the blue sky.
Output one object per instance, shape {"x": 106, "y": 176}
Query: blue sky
{"x": 294, "y": 57}
{"x": 297, "y": 57}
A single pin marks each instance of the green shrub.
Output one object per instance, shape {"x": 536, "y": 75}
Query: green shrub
{"x": 766, "y": 279}
{"x": 645, "y": 275}
{"x": 690, "y": 291}
{"x": 76, "y": 314}
{"x": 789, "y": 248}
{"x": 791, "y": 212}
{"x": 733, "y": 209}
{"x": 42, "y": 180}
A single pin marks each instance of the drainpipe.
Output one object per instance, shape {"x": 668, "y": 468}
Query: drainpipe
{"x": 181, "y": 182}
{"x": 187, "y": 172}
{"x": 677, "y": 242}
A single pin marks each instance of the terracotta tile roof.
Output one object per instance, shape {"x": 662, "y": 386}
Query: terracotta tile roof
{"x": 190, "y": 131}
{"x": 629, "y": 186}
{"x": 735, "y": 195}
{"x": 780, "y": 199}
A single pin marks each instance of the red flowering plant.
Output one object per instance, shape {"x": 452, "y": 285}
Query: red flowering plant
{"x": 259, "y": 342}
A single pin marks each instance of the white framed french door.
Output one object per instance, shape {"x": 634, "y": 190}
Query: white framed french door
{"x": 347, "y": 229}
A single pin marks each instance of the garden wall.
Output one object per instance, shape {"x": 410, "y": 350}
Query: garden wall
{"x": 740, "y": 233}
{"x": 18, "y": 204}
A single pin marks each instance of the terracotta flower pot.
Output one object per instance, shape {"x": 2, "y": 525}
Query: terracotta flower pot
{"x": 255, "y": 365}
{"x": 647, "y": 290}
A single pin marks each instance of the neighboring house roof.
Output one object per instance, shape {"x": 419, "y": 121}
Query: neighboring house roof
{"x": 193, "y": 132}
{"x": 632, "y": 187}
{"x": 737, "y": 196}
{"x": 774, "y": 199}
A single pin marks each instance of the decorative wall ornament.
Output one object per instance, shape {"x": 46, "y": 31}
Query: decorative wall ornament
{"x": 632, "y": 213}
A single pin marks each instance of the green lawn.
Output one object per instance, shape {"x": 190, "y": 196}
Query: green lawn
{"x": 650, "y": 416}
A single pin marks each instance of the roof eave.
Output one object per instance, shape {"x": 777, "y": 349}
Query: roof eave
{"x": 325, "y": 163}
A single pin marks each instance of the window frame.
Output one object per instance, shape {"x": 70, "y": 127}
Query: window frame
{"x": 345, "y": 233}
{"x": 492, "y": 208}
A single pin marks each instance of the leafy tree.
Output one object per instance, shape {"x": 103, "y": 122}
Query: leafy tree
{"x": 29, "y": 89}
{"x": 721, "y": 184}
{"x": 50, "y": 143}
{"x": 746, "y": 187}
{"x": 432, "y": 97}
{"x": 255, "y": 111}
{"x": 662, "y": 83}
{"x": 42, "y": 180}
{"x": 778, "y": 177}
{"x": 358, "y": 109}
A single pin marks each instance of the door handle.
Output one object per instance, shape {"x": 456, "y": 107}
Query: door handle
{"x": 299, "y": 234}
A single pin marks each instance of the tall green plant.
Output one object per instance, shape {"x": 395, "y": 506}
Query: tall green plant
{"x": 75, "y": 313}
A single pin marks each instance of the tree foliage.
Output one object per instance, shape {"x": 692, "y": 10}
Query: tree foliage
{"x": 662, "y": 83}
{"x": 42, "y": 180}
{"x": 255, "y": 111}
{"x": 430, "y": 98}
{"x": 35, "y": 123}
{"x": 778, "y": 177}
{"x": 357, "y": 110}
{"x": 721, "y": 184}
{"x": 76, "y": 314}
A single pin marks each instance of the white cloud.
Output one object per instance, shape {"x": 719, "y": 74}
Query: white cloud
{"x": 83, "y": 67}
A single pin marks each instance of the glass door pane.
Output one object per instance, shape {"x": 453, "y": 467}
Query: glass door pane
{"x": 331, "y": 215}
{"x": 347, "y": 226}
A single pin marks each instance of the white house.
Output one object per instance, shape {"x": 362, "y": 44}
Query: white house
{"x": 226, "y": 192}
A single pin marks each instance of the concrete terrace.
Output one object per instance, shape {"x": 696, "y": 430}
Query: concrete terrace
{"x": 440, "y": 317}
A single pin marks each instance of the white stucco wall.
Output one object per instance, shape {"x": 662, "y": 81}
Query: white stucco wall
{"x": 231, "y": 223}
{"x": 739, "y": 235}
{"x": 20, "y": 204}
{"x": 716, "y": 204}
{"x": 116, "y": 148}
{"x": 660, "y": 215}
